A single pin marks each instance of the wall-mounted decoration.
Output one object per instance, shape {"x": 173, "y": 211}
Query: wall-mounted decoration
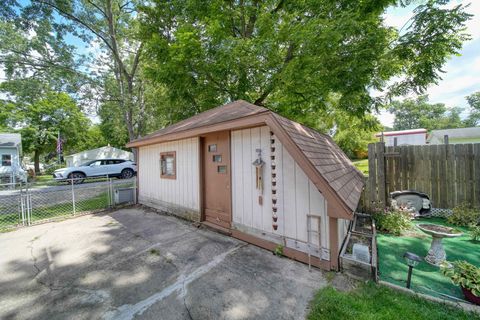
{"x": 259, "y": 163}
{"x": 274, "y": 182}
{"x": 217, "y": 158}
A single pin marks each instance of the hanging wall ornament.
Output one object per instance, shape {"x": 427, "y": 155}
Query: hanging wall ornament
{"x": 274, "y": 182}
{"x": 259, "y": 163}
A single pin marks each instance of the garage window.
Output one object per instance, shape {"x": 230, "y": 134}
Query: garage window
{"x": 6, "y": 160}
{"x": 168, "y": 165}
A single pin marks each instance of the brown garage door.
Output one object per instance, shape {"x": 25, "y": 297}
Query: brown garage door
{"x": 216, "y": 170}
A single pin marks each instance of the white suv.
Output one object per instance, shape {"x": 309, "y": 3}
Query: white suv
{"x": 120, "y": 168}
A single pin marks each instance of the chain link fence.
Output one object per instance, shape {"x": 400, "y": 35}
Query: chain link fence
{"x": 23, "y": 204}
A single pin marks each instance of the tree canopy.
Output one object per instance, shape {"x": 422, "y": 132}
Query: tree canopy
{"x": 419, "y": 113}
{"x": 474, "y": 112}
{"x": 293, "y": 55}
{"x": 327, "y": 64}
{"x": 42, "y": 120}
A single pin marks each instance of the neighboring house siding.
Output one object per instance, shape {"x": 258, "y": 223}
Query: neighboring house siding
{"x": 296, "y": 194}
{"x": 410, "y": 139}
{"x": 179, "y": 196}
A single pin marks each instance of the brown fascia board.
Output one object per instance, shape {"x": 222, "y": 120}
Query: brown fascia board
{"x": 336, "y": 206}
{"x": 245, "y": 122}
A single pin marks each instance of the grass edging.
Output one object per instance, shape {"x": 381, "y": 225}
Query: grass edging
{"x": 464, "y": 305}
{"x": 371, "y": 301}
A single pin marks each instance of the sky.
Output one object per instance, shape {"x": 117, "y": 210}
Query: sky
{"x": 462, "y": 73}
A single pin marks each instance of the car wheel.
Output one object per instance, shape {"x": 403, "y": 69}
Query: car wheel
{"x": 77, "y": 177}
{"x": 127, "y": 173}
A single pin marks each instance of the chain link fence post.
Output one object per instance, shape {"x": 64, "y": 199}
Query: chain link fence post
{"x": 73, "y": 196}
{"x": 135, "y": 200}
{"x": 110, "y": 194}
{"x": 23, "y": 206}
{"x": 29, "y": 205}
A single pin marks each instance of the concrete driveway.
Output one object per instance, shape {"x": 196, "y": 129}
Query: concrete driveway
{"x": 136, "y": 264}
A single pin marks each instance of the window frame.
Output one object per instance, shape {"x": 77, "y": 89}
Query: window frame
{"x": 164, "y": 155}
{"x": 9, "y": 161}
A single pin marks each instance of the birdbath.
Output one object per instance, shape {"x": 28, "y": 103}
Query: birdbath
{"x": 436, "y": 255}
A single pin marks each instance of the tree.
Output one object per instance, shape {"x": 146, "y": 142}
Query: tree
{"x": 33, "y": 52}
{"x": 113, "y": 75}
{"x": 418, "y": 113}
{"x": 474, "y": 115}
{"x": 353, "y": 135}
{"x": 40, "y": 121}
{"x": 292, "y": 55}
{"x": 92, "y": 139}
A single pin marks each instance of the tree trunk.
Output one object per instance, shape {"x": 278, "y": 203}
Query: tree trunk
{"x": 36, "y": 161}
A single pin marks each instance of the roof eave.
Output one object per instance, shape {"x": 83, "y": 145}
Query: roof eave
{"x": 248, "y": 121}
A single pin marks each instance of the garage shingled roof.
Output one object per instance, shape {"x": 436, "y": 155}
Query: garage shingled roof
{"x": 321, "y": 151}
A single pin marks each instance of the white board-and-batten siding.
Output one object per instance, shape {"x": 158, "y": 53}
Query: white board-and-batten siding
{"x": 296, "y": 195}
{"x": 180, "y": 195}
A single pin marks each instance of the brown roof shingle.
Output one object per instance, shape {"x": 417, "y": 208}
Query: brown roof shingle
{"x": 227, "y": 112}
{"x": 329, "y": 160}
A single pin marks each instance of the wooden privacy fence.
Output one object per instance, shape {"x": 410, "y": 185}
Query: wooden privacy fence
{"x": 448, "y": 173}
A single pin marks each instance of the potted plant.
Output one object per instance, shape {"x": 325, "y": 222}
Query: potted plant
{"x": 467, "y": 276}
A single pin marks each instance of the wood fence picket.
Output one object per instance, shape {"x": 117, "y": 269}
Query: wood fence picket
{"x": 449, "y": 174}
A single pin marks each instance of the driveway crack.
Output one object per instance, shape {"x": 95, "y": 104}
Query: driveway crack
{"x": 48, "y": 285}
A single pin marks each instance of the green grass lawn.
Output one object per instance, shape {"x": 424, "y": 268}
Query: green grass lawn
{"x": 372, "y": 302}
{"x": 48, "y": 180}
{"x": 362, "y": 165}
{"x": 45, "y": 179}
{"x": 426, "y": 278}
{"x": 98, "y": 202}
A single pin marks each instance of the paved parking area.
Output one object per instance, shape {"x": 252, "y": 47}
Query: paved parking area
{"x": 136, "y": 264}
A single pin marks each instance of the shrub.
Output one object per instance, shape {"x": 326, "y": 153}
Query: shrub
{"x": 475, "y": 232}
{"x": 394, "y": 221}
{"x": 464, "y": 215}
{"x": 464, "y": 274}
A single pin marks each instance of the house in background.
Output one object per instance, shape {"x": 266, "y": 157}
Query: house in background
{"x": 255, "y": 175}
{"x": 77, "y": 159}
{"x": 10, "y": 153}
{"x": 403, "y": 137}
{"x": 455, "y": 136}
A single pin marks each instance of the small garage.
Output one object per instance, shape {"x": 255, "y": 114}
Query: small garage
{"x": 256, "y": 176}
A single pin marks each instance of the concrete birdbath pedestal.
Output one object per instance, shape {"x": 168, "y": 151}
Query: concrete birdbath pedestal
{"x": 436, "y": 255}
